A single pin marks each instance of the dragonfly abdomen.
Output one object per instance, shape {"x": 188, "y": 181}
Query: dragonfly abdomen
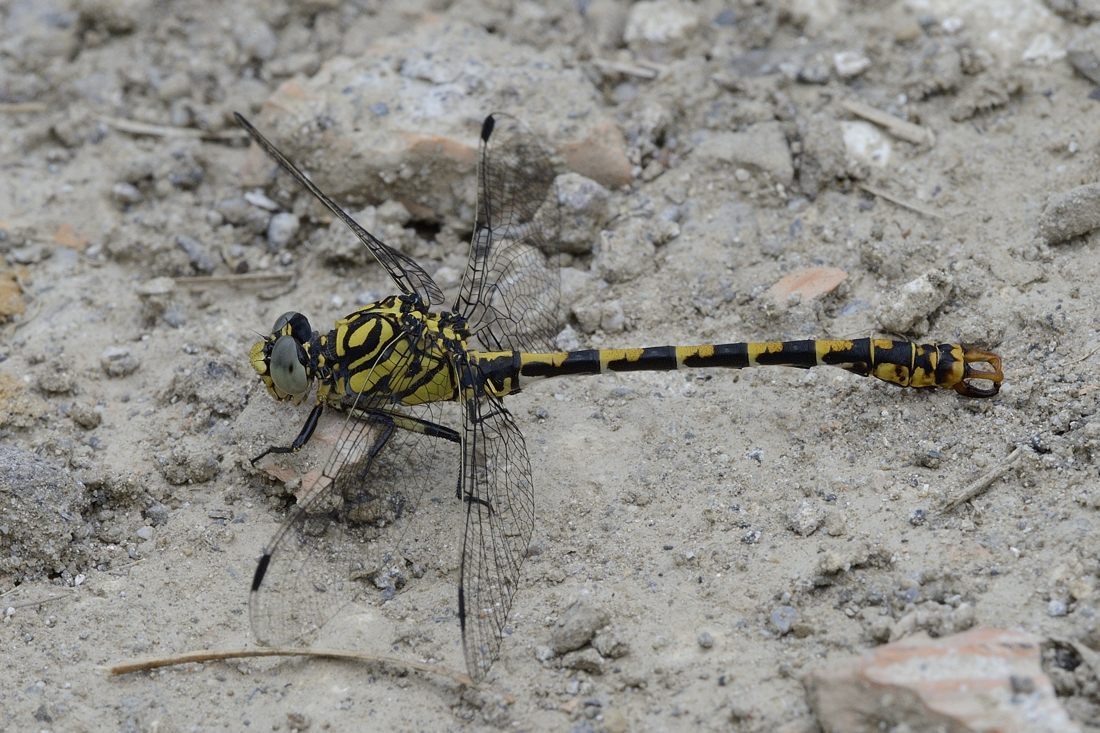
{"x": 904, "y": 363}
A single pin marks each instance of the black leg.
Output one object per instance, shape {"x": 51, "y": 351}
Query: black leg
{"x": 303, "y": 436}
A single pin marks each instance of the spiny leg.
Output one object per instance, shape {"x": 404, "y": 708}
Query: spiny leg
{"x": 303, "y": 436}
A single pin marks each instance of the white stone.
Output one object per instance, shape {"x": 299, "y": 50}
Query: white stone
{"x": 850, "y": 64}
{"x": 863, "y": 142}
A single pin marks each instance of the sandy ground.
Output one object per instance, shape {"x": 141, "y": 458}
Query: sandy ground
{"x": 735, "y": 530}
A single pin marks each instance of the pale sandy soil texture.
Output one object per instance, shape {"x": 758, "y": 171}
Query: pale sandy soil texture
{"x": 733, "y": 530}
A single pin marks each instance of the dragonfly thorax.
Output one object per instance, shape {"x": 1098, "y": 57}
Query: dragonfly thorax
{"x": 394, "y": 347}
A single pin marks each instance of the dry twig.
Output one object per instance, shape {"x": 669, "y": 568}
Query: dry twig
{"x": 15, "y": 108}
{"x": 896, "y": 126}
{"x": 210, "y": 655}
{"x": 979, "y": 486}
{"x": 874, "y": 191}
{"x": 248, "y": 278}
{"x": 144, "y": 128}
{"x": 642, "y": 71}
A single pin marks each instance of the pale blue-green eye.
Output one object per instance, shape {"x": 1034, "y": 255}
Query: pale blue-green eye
{"x": 288, "y": 373}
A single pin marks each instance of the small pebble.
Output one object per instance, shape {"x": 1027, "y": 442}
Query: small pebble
{"x": 199, "y": 258}
{"x": 783, "y": 618}
{"x": 567, "y": 339}
{"x": 298, "y": 721}
{"x": 262, "y": 200}
{"x": 806, "y": 518}
{"x": 1070, "y": 214}
{"x": 612, "y": 317}
{"x": 931, "y": 458}
{"x": 584, "y": 211}
{"x": 188, "y": 462}
{"x": 144, "y": 533}
{"x": 255, "y": 39}
{"x": 850, "y": 64}
{"x": 609, "y": 644}
{"x": 814, "y": 71}
{"x": 865, "y": 143}
{"x": 85, "y": 415}
{"x": 1083, "y": 53}
{"x": 117, "y": 361}
{"x": 1057, "y": 608}
{"x": 917, "y": 517}
{"x": 156, "y": 513}
{"x": 126, "y": 193}
{"x": 914, "y": 302}
{"x": 239, "y": 212}
{"x": 157, "y": 286}
{"x": 281, "y": 230}
{"x": 577, "y": 626}
{"x": 660, "y": 22}
{"x": 55, "y": 381}
{"x": 584, "y": 660}
{"x": 30, "y": 254}
{"x": 705, "y": 639}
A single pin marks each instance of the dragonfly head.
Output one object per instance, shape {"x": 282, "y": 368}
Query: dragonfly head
{"x": 282, "y": 360}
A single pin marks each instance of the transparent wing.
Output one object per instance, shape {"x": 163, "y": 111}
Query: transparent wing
{"x": 509, "y": 293}
{"x": 409, "y": 276}
{"x": 500, "y": 517}
{"x": 352, "y": 530}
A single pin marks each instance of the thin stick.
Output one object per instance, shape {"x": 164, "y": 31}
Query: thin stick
{"x": 899, "y": 201}
{"x": 642, "y": 71}
{"x": 896, "y": 126}
{"x": 15, "y": 108}
{"x": 144, "y": 128}
{"x": 978, "y": 487}
{"x": 125, "y": 566}
{"x": 245, "y": 278}
{"x": 39, "y": 602}
{"x": 1086, "y": 356}
{"x": 210, "y": 655}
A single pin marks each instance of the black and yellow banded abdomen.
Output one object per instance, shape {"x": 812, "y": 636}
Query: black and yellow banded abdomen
{"x": 905, "y": 363}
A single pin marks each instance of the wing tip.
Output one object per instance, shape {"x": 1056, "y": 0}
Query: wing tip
{"x": 462, "y": 610}
{"x": 487, "y": 128}
{"x": 261, "y": 571}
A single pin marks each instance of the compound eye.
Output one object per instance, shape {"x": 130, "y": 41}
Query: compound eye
{"x": 283, "y": 320}
{"x": 298, "y": 324}
{"x": 287, "y": 370}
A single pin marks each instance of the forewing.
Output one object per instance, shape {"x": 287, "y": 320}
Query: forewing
{"x": 409, "y": 276}
{"x": 314, "y": 564}
{"x": 509, "y": 293}
{"x": 352, "y": 530}
{"x": 500, "y": 516}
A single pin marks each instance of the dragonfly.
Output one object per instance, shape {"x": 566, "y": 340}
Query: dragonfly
{"x": 423, "y": 387}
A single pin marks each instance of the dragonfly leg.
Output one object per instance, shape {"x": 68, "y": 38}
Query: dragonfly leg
{"x": 303, "y": 436}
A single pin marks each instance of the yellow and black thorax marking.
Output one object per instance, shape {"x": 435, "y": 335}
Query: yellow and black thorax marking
{"x": 394, "y": 348}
